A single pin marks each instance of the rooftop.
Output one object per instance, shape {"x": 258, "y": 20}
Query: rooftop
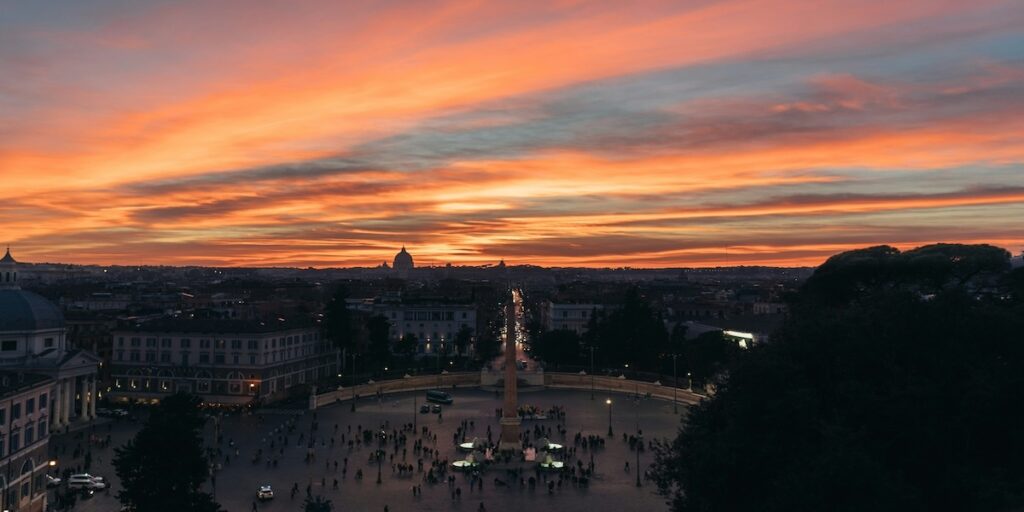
{"x": 217, "y": 326}
{"x": 14, "y": 382}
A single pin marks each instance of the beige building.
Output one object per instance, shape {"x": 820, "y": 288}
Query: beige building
{"x": 223, "y": 361}
{"x": 25, "y": 409}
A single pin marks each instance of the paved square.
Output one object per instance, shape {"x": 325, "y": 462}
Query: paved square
{"x": 612, "y": 488}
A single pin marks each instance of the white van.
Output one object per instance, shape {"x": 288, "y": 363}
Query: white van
{"x": 86, "y": 481}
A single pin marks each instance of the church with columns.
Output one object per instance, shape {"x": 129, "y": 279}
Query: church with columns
{"x": 33, "y": 339}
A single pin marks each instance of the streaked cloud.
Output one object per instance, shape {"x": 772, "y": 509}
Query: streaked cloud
{"x": 562, "y": 133}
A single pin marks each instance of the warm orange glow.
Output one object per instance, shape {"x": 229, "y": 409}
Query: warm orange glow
{"x": 551, "y": 133}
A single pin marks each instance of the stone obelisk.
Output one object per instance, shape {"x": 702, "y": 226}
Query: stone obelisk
{"x": 510, "y": 421}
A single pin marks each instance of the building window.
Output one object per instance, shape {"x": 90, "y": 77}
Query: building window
{"x": 150, "y": 357}
{"x": 150, "y": 342}
{"x": 236, "y": 344}
{"x": 253, "y": 345}
{"x": 185, "y": 343}
{"x": 252, "y": 359}
{"x": 9, "y": 345}
{"x": 135, "y": 356}
{"x": 42, "y": 428}
{"x": 30, "y": 406}
{"x": 222, "y": 343}
{"x": 120, "y": 341}
{"x": 43, "y": 398}
{"x": 234, "y": 359}
{"x": 204, "y": 358}
{"x": 48, "y": 343}
{"x": 29, "y": 433}
{"x": 165, "y": 343}
{"x": 15, "y": 441}
{"x": 204, "y": 343}
{"x": 136, "y": 342}
{"x": 218, "y": 359}
{"x": 15, "y": 411}
{"x": 165, "y": 357}
{"x": 184, "y": 358}
{"x": 3, "y": 416}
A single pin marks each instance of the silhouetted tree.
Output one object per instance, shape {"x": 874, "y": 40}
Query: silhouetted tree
{"x": 408, "y": 344}
{"x": 487, "y": 347}
{"x": 708, "y": 354}
{"x": 895, "y": 384}
{"x": 560, "y": 346}
{"x": 317, "y": 504}
{"x": 379, "y": 329}
{"x": 163, "y": 467}
{"x": 338, "y": 320}
{"x": 633, "y": 333}
{"x": 463, "y": 338}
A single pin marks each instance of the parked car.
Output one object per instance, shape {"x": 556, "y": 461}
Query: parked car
{"x": 86, "y": 481}
{"x": 435, "y": 408}
{"x": 52, "y": 481}
{"x": 436, "y": 395}
{"x": 265, "y": 493}
{"x": 425, "y": 408}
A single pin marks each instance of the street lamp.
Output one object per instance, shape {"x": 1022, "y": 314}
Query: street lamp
{"x": 380, "y": 456}
{"x": 689, "y": 382}
{"x": 353, "y": 382}
{"x": 675, "y": 384}
{"x": 591, "y": 372}
{"x": 639, "y": 444}
{"x": 609, "y": 402}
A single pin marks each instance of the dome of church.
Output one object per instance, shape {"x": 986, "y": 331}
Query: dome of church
{"x": 403, "y": 260}
{"x": 22, "y": 310}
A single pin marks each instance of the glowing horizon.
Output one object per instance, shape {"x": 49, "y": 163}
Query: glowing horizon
{"x": 567, "y": 133}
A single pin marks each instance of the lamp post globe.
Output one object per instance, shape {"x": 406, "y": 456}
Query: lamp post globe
{"x": 609, "y": 402}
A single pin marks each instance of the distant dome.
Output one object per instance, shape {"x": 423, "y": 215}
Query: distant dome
{"x": 403, "y": 261}
{"x": 22, "y": 310}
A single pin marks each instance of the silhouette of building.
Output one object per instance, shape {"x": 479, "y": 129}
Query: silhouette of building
{"x": 403, "y": 263}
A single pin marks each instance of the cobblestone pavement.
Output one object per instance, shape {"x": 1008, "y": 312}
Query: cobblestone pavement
{"x": 612, "y": 488}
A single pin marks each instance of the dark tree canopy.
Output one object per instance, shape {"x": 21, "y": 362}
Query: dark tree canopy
{"x": 708, "y": 354}
{"x": 164, "y": 466}
{"x": 379, "y": 328}
{"x": 463, "y": 338}
{"x": 560, "y": 346}
{"x": 338, "y": 320}
{"x": 895, "y": 385}
{"x": 633, "y": 333}
{"x": 408, "y": 344}
{"x": 317, "y": 504}
{"x": 487, "y": 347}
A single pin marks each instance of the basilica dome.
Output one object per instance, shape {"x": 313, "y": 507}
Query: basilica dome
{"x": 403, "y": 261}
{"x": 27, "y": 311}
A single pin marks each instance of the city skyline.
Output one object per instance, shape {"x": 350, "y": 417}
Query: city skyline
{"x": 663, "y": 134}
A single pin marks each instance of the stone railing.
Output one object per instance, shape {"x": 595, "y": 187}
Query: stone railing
{"x": 416, "y": 383}
{"x": 616, "y": 385}
{"x": 473, "y": 379}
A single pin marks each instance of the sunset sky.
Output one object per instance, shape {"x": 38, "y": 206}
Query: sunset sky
{"x": 647, "y": 134}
